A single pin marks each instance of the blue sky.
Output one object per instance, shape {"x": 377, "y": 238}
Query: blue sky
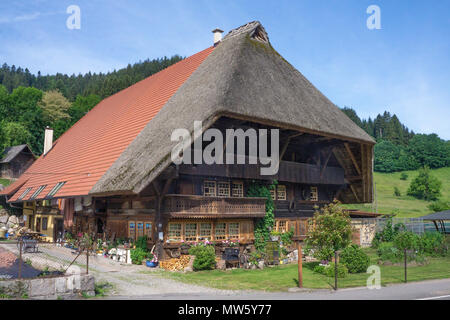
{"x": 403, "y": 68}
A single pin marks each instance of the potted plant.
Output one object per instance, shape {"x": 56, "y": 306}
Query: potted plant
{"x": 152, "y": 260}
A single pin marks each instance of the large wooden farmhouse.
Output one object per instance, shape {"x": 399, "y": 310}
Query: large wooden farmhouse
{"x": 112, "y": 173}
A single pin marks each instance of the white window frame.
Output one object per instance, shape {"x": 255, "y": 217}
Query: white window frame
{"x": 209, "y": 194}
{"x": 221, "y": 187}
{"x": 281, "y": 189}
{"x": 314, "y": 194}
{"x": 237, "y": 192}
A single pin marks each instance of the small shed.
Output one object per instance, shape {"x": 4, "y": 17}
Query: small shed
{"x": 15, "y": 160}
{"x": 440, "y": 220}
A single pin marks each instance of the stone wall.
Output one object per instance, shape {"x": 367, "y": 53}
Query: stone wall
{"x": 65, "y": 287}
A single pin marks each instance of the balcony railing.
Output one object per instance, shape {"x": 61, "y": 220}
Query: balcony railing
{"x": 192, "y": 205}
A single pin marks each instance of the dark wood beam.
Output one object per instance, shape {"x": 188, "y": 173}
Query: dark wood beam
{"x": 355, "y": 163}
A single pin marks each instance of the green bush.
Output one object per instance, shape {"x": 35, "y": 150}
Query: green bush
{"x": 425, "y": 186}
{"x": 142, "y": 243}
{"x": 355, "y": 259}
{"x": 205, "y": 257}
{"x": 388, "y": 252}
{"x": 433, "y": 244}
{"x": 397, "y": 192}
{"x": 138, "y": 255}
{"x": 388, "y": 233}
{"x": 407, "y": 240}
{"x": 404, "y": 176}
{"x": 329, "y": 270}
{"x": 342, "y": 270}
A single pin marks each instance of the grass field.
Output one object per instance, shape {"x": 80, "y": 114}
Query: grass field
{"x": 4, "y": 182}
{"x": 404, "y": 206}
{"x": 281, "y": 278}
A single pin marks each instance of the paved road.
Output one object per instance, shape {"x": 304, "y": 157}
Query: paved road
{"x": 426, "y": 290}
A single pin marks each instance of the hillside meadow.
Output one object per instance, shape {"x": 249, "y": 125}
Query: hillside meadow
{"x": 404, "y": 205}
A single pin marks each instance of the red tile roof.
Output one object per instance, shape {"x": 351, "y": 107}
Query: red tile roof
{"x": 86, "y": 151}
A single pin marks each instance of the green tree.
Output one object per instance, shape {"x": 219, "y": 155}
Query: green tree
{"x": 429, "y": 150}
{"x": 13, "y": 133}
{"x": 439, "y": 206}
{"x": 425, "y": 186}
{"x": 390, "y": 157}
{"x": 332, "y": 231}
{"x": 54, "y": 106}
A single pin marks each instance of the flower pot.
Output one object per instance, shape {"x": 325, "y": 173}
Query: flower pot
{"x": 151, "y": 264}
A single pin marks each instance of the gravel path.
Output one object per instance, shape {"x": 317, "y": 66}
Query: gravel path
{"x": 127, "y": 280}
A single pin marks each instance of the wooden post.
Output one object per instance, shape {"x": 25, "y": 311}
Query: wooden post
{"x": 335, "y": 270}
{"x": 87, "y": 260}
{"x": 406, "y": 266}
{"x": 300, "y": 266}
{"x": 20, "y": 258}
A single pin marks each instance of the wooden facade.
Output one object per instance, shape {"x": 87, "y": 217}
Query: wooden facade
{"x": 191, "y": 203}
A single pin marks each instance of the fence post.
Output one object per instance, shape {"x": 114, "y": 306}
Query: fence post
{"x": 87, "y": 260}
{"x": 20, "y": 258}
{"x": 300, "y": 266}
{"x": 406, "y": 266}
{"x": 335, "y": 270}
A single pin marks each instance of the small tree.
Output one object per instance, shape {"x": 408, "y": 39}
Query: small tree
{"x": 397, "y": 192}
{"x": 425, "y": 186}
{"x": 332, "y": 231}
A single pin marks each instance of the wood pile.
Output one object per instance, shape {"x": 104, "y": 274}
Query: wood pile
{"x": 175, "y": 264}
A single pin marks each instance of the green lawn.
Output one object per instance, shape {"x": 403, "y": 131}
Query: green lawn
{"x": 404, "y": 206}
{"x": 5, "y": 182}
{"x": 283, "y": 277}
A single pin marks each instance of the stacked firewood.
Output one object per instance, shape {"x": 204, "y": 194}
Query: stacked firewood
{"x": 175, "y": 264}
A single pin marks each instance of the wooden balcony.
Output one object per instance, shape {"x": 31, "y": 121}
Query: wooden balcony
{"x": 288, "y": 172}
{"x": 192, "y": 206}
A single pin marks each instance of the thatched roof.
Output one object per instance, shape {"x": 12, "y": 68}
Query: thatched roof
{"x": 244, "y": 77}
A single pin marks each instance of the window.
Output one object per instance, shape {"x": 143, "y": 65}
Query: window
{"x": 223, "y": 189}
{"x": 132, "y": 230}
{"x": 37, "y": 192}
{"x": 314, "y": 196}
{"x": 281, "y": 192}
{"x": 140, "y": 229}
{"x": 209, "y": 188}
{"x": 237, "y": 189}
{"x": 27, "y": 190}
{"x": 205, "y": 231}
{"x": 190, "y": 232}
{"x": 220, "y": 233}
{"x": 55, "y": 189}
{"x": 273, "y": 194}
{"x": 233, "y": 230}
{"x": 281, "y": 226}
{"x": 148, "y": 230}
{"x": 44, "y": 223}
{"x": 174, "y": 231}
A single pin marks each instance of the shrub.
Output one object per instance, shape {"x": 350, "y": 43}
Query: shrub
{"x": 433, "y": 244}
{"x": 388, "y": 252}
{"x": 342, "y": 270}
{"x": 205, "y": 257}
{"x": 332, "y": 231}
{"x": 397, "y": 192}
{"x": 438, "y": 206}
{"x": 404, "y": 176}
{"x": 355, "y": 259}
{"x": 388, "y": 233}
{"x": 425, "y": 186}
{"x": 138, "y": 255}
{"x": 142, "y": 243}
{"x": 406, "y": 240}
